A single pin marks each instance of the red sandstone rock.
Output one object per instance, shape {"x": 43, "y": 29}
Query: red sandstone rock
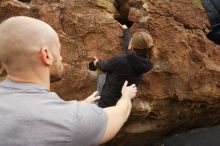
{"x": 183, "y": 90}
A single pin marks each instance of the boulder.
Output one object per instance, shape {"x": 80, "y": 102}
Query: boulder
{"x": 181, "y": 93}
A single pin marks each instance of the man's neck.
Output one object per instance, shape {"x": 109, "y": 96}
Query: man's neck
{"x": 30, "y": 78}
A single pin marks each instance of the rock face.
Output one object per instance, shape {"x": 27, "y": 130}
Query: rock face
{"x": 183, "y": 90}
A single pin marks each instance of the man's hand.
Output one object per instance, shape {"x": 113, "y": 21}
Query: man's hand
{"x": 92, "y": 98}
{"x": 95, "y": 60}
{"x": 128, "y": 91}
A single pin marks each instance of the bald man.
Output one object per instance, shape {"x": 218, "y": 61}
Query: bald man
{"x": 32, "y": 115}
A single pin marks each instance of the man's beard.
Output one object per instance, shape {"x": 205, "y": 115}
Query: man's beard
{"x": 55, "y": 78}
{"x": 56, "y": 72}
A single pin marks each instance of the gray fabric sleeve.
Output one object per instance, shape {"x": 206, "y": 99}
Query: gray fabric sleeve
{"x": 91, "y": 124}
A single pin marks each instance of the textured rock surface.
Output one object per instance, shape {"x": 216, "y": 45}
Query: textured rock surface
{"x": 183, "y": 90}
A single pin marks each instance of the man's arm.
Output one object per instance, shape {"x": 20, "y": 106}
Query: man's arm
{"x": 118, "y": 114}
{"x": 93, "y": 125}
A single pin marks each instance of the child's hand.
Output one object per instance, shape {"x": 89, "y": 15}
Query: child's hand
{"x": 95, "y": 60}
{"x": 122, "y": 26}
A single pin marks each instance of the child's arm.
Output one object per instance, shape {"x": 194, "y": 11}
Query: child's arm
{"x": 126, "y": 39}
{"x": 106, "y": 66}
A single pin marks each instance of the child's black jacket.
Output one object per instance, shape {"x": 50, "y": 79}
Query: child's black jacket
{"x": 120, "y": 68}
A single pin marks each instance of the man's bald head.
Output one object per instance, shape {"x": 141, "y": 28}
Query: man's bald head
{"x": 22, "y": 37}
{"x": 27, "y": 44}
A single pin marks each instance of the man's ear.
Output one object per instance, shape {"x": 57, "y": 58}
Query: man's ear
{"x": 46, "y": 57}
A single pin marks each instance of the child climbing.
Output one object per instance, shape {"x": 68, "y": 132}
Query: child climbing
{"x": 138, "y": 49}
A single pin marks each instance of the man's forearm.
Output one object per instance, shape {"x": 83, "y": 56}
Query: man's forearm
{"x": 124, "y": 105}
{"x": 121, "y": 110}
{"x": 117, "y": 116}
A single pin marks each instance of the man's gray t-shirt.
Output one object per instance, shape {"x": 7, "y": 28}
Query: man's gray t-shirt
{"x": 30, "y": 115}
